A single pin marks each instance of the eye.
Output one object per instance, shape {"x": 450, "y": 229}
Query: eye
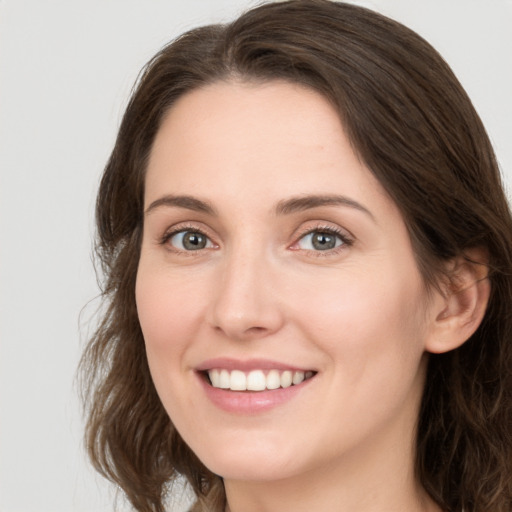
{"x": 320, "y": 240}
{"x": 188, "y": 240}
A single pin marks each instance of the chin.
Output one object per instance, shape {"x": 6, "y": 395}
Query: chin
{"x": 266, "y": 468}
{"x": 250, "y": 461}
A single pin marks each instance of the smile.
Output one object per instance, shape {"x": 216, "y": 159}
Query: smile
{"x": 256, "y": 380}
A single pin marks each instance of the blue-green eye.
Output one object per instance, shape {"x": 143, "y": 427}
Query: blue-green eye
{"x": 320, "y": 241}
{"x": 190, "y": 241}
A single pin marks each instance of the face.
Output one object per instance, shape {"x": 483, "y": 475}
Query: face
{"x": 282, "y": 309}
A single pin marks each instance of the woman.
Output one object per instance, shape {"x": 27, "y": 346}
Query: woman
{"x": 308, "y": 265}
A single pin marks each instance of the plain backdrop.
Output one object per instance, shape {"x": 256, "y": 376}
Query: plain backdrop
{"x": 66, "y": 70}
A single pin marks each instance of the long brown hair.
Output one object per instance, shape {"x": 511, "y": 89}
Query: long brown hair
{"x": 413, "y": 125}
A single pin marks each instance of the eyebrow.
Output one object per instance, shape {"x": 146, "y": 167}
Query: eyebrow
{"x": 187, "y": 202}
{"x": 299, "y": 204}
{"x": 284, "y": 207}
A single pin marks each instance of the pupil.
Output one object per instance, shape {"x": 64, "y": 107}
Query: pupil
{"x": 323, "y": 241}
{"x": 194, "y": 241}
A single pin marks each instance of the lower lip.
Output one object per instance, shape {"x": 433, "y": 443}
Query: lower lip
{"x": 251, "y": 402}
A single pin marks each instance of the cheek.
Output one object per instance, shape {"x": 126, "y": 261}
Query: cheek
{"x": 367, "y": 319}
{"x": 372, "y": 329}
{"x": 169, "y": 310}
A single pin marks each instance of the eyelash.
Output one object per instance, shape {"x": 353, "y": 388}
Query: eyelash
{"x": 329, "y": 230}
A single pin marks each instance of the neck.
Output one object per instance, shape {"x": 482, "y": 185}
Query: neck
{"x": 325, "y": 493}
{"x": 374, "y": 481}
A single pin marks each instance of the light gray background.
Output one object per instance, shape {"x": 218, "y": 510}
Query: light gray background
{"x": 66, "y": 69}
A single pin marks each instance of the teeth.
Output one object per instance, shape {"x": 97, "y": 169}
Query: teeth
{"x": 273, "y": 380}
{"x": 256, "y": 380}
{"x": 298, "y": 377}
{"x": 287, "y": 379}
{"x": 214, "y": 378}
{"x": 224, "y": 379}
{"x": 238, "y": 381}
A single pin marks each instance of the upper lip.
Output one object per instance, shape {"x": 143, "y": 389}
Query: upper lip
{"x": 248, "y": 365}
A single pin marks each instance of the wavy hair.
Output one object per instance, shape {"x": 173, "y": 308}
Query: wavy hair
{"x": 412, "y": 124}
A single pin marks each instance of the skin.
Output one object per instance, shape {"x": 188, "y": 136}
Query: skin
{"x": 359, "y": 314}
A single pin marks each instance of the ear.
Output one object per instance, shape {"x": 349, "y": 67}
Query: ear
{"x": 459, "y": 308}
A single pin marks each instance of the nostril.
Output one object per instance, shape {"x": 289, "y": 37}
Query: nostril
{"x": 256, "y": 329}
{"x": 240, "y": 332}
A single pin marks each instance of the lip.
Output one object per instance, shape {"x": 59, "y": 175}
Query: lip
{"x": 249, "y": 402}
{"x": 227, "y": 363}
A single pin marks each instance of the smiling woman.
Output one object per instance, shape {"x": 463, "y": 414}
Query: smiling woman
{"x": 281, "y": 288}
{"x": 308, "y": 265}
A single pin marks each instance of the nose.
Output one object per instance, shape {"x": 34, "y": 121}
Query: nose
{"x": 245, "y": 304}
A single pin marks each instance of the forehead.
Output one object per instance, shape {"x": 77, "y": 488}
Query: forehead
{"x": 246, "y": 117}
{"x": 230, "y": 140}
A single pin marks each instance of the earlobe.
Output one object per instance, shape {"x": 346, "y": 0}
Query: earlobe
{"x": 462, "y": 305}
